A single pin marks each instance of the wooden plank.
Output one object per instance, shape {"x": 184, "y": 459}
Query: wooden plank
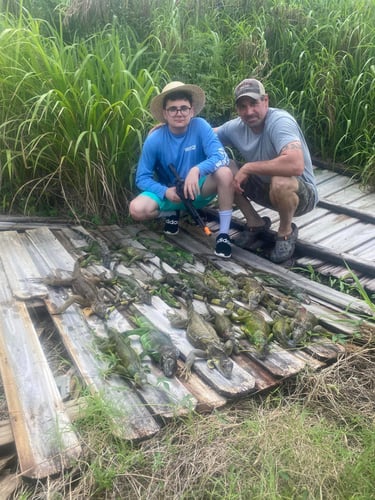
{"x": 207, "y": 398}
{"x": 341, "y": 258}
{"x": 74, "y": 409}
{"x": 334, "y": 185}
{"x": 324, "y": 227}
{"x": 345, "y": 196}
{"x": 47, "y": 251}
{"x": 325, "y": 350}
{"x": 19, "y": 268}
{"x": 366, "y": 203}
{"x": 279, "y": 362}
{"x": 315, "y": 215}
{"x": 44, "y": 439}
{"x": 239, "y": 384}
{"x": 350, "y": 238}
{"x": 348, "y": 210}
{"x": 323, "y": 175}
{"x": 264, "y": 380}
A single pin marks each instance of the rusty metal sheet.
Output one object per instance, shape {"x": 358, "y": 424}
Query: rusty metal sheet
{"x": 45, "y": 440}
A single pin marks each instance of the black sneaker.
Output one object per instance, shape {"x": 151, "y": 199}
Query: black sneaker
{"x": 171, "y": 224}
{"x": 223, "y": 247}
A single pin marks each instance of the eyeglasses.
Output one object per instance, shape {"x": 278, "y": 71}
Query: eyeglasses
{"x": 173, "y": 110}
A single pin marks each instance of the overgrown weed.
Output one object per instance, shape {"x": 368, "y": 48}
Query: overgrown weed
{"x": 313, "y": 437}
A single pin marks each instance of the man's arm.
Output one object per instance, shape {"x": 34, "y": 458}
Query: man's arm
{"x": 289, "y": 163}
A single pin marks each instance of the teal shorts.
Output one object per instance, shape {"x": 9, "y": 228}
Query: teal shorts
{"x": 169, "y": 206}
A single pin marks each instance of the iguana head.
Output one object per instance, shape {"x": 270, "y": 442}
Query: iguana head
{"x": 140, "y": 379}
{"x": 168, "y": 364}
{"x": 223, "y": 364}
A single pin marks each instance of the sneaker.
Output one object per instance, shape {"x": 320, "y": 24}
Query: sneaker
{"x": 171, "y": 224}
{"x": 223, "y": 247}
{"x": 285, "y": 246}
{"x": 252, "y": 234}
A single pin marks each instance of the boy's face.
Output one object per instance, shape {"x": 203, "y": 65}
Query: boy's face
{"x": 177, "y": 114}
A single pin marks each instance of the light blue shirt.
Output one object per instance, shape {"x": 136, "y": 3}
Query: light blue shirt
{"x": 198, "y": 146}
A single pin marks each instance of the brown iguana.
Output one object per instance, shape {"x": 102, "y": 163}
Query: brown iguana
{"x": 224, "y": 326}
{"x": 252, "y": 291}
{"x": 85, "y": 291}
{"x": 292, "y": 332}
{"x": 202, "y": 335}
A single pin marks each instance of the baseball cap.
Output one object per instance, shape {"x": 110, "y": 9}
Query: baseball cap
{"x": 249, "y": 88}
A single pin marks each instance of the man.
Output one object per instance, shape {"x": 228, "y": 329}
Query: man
{"x": 277, "y": 172}
{"x": 191, "y": 145}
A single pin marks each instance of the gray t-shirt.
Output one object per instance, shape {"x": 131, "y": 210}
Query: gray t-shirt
{"x": 280, "y": 128}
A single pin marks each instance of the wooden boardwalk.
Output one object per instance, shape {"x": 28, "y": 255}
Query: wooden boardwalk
{"x": 40, "y": 407}
{"x": 338, "y": 235}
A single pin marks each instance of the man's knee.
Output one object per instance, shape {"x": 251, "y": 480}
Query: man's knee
{"x": 134, "y": 210}
{"x": 139, "y": 209}
{"x": 224, "y": 176}
{"x": 283, "y": 185}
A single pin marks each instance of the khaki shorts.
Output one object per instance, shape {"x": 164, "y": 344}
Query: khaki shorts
{"x": 258, "y": 190}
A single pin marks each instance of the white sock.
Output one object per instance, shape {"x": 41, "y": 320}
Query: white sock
{"x": 225, "y": 218}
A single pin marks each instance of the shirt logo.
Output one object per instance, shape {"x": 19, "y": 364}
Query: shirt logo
{"x": 190, "y": 148}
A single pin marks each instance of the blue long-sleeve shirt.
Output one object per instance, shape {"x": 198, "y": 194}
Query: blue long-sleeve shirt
{"x": 198, "y": 146}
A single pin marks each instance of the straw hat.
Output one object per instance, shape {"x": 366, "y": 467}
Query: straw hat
{"x": 197, "y": 94}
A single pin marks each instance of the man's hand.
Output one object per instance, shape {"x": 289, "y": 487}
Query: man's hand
{"x": 171, "y": 195}
{"x": 191, "y": 185}
{"x": 240, "y": 180}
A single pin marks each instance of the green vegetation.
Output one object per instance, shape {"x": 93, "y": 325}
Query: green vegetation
{"x": 77, "y": 79}
{"x": 314, "y": 438}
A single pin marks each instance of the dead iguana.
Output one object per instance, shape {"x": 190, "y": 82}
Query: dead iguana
{"x": 132, "y": 290}
{"x": 254, "y": 328}
{"x": 252, "y": 291}
{"x": 294, "y": 332}
{"x": 202, "y": 335}
{"x": 224, "y": 326}
{"x": 85, "y": 291}
{"x": 125, "y": 360}
{"x": 159, "y": 346}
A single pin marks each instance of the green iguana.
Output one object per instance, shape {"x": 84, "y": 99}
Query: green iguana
{"x": 159, "y": 346}
{"x": 254, "y": 328}
{"x": 295, "y": 331}
{"x": 126, "y": 362}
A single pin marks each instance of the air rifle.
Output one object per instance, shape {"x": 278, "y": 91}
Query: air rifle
{"x": 188, "y": 203}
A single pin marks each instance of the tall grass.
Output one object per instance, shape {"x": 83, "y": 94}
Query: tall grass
{"x": 72, "y": 117}
{"x": 74, "y": 105}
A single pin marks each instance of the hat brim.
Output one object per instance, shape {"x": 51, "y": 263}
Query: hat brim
{"x": 252, "y": 95}
{"x": 197, "y": 94}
